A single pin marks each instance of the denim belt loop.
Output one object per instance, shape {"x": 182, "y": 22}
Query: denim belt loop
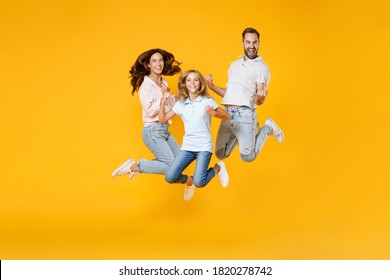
{"x": 238, "y": 107}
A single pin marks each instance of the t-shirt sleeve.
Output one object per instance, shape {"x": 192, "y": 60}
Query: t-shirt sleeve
{"x": 229, "y": 74}
{"x": 213, "y": 103}
{"x": 149, "y": 102}
{"x": 264, "y": 75}
{"x": 177, "y": 107}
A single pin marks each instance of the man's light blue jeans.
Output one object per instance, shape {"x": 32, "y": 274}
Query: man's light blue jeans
{"x": 202, "y": 174}
{"x": 241, "y": 130}
{"x": 163, "y": 146}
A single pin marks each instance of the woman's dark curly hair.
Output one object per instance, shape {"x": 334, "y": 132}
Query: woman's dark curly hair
{"x": 140, "y": 68}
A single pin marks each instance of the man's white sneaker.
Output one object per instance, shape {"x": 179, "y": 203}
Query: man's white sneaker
{"x": 223, "y": 175}
{"x": 277, "y": 133}
{"x": 124, "y": 169}
{"x": 189, "y": 192}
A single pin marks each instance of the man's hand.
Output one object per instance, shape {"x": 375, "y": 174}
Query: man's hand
{"x": 262, "y": 92}
{"x": 260, "y": 96}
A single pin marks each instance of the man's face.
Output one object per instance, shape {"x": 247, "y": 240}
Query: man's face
{"x": 251, "y": 45}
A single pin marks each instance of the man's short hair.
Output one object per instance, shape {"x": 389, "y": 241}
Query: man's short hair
{"x": 250, "y": 30}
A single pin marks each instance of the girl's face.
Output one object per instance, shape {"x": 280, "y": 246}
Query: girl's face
{"x": 156, "y": 64}
{"x": 193, "y": 83}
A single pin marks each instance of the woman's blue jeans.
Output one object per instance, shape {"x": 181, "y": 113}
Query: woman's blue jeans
{"x": 163, "y": 146}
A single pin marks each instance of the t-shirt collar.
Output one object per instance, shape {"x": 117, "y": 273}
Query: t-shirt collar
{"x": 197, "y": 99}
{"x": 258, "y": 58}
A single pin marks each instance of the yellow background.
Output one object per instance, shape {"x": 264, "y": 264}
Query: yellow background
{"x": 68, "y": 120}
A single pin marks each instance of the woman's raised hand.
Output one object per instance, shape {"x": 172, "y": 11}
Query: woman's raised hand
{"x": 165, "y": 89}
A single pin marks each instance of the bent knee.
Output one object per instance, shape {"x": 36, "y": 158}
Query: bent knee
{"x": 248, "y": 158}
{"x": 199, "y": 183}
{"x": 220, "y": 154}
{"x": 170, "y": 178}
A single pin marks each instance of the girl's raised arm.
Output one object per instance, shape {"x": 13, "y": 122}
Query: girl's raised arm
{"x": 218, "y": 113}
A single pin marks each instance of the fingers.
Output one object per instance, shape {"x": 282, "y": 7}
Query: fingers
{"x": 263, "y": 92}
{"x": 209, "y": 110}
{"x": 165, "y": 89}
{"x": 209, "y": 79}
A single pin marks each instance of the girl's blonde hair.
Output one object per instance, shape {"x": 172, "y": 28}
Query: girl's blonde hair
{"x": 182, "y": 88}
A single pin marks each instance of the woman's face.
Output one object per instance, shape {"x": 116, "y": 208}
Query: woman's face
{"x": 192, "y": 83}
{"x": 156, "y": 64}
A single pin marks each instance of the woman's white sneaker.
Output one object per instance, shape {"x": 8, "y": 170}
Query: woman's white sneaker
{"x": 124, "y": 169}
{"x": 223, "y": 175}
